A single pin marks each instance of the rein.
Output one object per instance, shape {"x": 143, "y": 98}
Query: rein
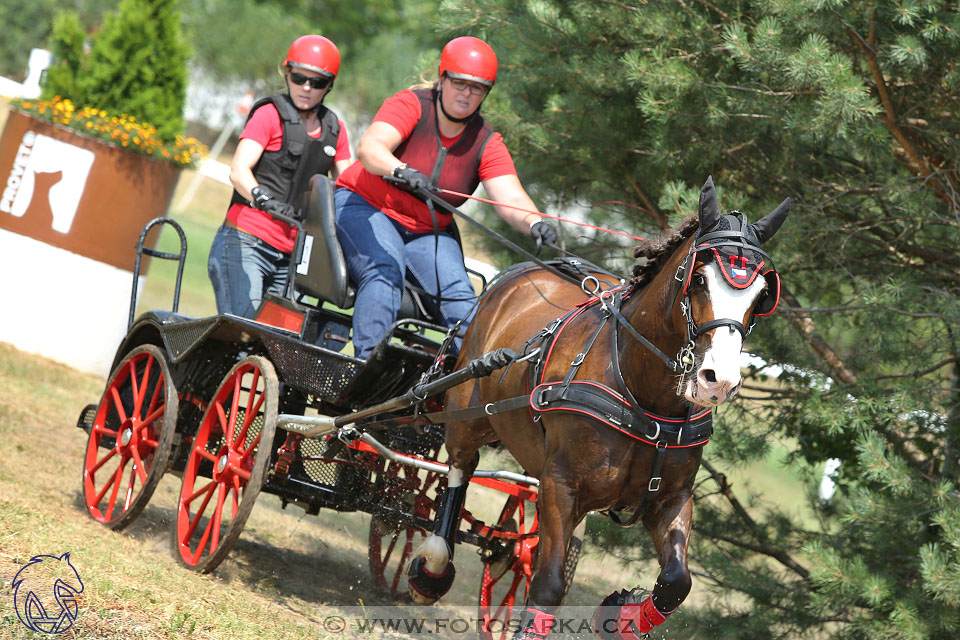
{"x": 545, "y": 215}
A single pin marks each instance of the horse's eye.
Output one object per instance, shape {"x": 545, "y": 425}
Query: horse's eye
{"x": 699, "y": 280}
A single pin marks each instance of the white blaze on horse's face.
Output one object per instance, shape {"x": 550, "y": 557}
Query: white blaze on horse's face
{"x": 718, "y": 376}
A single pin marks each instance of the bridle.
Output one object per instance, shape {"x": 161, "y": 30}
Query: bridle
{"x": 711, "y": 242}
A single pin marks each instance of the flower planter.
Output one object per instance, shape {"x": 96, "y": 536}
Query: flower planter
{"x": 71, "y": 210}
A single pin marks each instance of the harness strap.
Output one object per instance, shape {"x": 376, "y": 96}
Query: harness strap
{"x": 614, "y": 309}
{"x": 652, "y": 487}
{"x": 578, "y": 361}
{"x": 605, "y": 405}
{"x": 468, "y": 413}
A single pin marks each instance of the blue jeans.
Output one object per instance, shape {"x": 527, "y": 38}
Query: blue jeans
{"x": 380, "y": 253}
{"x": 241, "y": 268}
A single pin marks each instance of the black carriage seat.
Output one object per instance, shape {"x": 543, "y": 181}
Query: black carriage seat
{"x": 322, "y": 272}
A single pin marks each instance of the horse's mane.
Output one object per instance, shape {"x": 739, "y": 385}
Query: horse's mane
{"x": 658, "y": 251}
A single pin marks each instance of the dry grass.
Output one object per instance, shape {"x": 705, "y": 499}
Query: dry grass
{"x": 285, "y": 566}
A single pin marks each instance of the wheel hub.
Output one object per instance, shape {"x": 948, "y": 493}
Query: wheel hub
{"x": 222, "y": 464}
{"x": 126, "y": 436}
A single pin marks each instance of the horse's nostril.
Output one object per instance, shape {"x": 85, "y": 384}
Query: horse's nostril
{"x": 709, "y": 375}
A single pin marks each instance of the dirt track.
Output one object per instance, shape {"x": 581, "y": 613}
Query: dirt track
{"x": 286, "y": 570}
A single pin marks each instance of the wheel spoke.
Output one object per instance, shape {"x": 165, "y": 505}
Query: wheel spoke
{"x": 128, "y": 496}
{"x": 203, "y": 541}
{"x": 134, "y": 383}
{"x": 118, "y": 404}
{"x": 203, "y": 507}
{"x": 243, "y": 473}
{"x": 157, "y": 397}
{"x": 102, "y": 461}
{"x": 112, "y": 502}
{"x": 217, "y": 516}
{"x": 249, "y": 452}
{"x": 104, "y": 431}
{"x": 209, "y": 455}
{"x": 152, "y": 416}
{"x": 140, "y": 392}
{"x": 103, "y": 491}
{"x": 205, "y": 489}
{"x": 234, "y": 409}
{"x": 222, "y": 418}
{"x": 138, "y": 466}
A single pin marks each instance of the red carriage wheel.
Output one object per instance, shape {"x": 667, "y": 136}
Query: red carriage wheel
{"x": 131, "y": 438}
{"x": 227, "y": 464}
{"x": 391, "y": 543}
{"x": 507, "y": 571}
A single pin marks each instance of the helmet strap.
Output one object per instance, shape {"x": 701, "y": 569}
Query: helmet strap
{"x": 450, "y": 117}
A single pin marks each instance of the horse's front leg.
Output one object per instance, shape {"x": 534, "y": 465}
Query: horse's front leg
{"x": 556, "y": 510}
{"x": 632, "y": 614}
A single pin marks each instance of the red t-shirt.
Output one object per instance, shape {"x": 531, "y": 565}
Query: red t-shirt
{"x": 402, "y": 111}
{"x": 265, "y": 128}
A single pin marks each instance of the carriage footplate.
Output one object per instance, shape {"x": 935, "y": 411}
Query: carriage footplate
{"x": 87, "y": 415}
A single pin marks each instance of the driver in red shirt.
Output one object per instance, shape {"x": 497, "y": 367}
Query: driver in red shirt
{"x": 426, "y": 137}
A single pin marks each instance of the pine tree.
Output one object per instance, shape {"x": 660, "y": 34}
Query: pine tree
{"x": 852, "y": 110}
{"x": 136, "y": 65}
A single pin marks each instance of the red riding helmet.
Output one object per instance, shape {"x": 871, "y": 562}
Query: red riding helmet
{"x": 469, "y": 58}
{"x": 315, "y": 53}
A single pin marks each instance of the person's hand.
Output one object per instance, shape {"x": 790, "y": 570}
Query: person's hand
{"x": 261, "y": 196}
{"x": 264, "y": 200}
{"x": 277, "y": 208}
{"x": 544, "y": 234}
{"x": 412, "y": 178}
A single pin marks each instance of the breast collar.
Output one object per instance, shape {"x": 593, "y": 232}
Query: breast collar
{"x": 621, "y": 411}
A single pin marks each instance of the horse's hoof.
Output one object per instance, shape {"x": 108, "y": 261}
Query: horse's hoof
{"x": 425, "y": 587}
{"x": 627, "y": 614}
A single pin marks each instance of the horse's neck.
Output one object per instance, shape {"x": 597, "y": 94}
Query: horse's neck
{"x": 650, "y": 311}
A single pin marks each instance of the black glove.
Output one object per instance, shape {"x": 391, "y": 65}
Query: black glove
{"x": 277, "y": 208}
{"x": 544, "y": 234}
{"x": 413, "y": 178}
{"x": 264, "y": 200}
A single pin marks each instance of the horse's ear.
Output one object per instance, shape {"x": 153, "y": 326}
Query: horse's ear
{"x": 708, "y": 211}
{"x": 768, "y": 225}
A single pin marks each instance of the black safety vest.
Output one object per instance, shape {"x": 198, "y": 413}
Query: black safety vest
{"x": 287, "y": 171}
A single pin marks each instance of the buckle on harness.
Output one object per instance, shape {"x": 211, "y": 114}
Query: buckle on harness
{"x": 654, "y": 484}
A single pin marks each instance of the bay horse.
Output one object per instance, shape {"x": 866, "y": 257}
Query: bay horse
{"x": 611, "y": 422}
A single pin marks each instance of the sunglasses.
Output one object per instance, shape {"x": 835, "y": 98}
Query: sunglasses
{"x": 462, "y": 85}
{"x": 319, "y": 82}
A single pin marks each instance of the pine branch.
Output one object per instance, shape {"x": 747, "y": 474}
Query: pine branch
{"x": 916, "y": 161}
{"x": 838, "y": 370}
{"x": 917, "y": 374}
{"x": 758, "y": 533}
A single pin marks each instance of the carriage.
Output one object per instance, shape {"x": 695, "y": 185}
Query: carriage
{"x": 237, "y": 407}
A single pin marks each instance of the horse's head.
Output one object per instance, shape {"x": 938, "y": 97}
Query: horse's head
{"x": 723, "y": 282}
